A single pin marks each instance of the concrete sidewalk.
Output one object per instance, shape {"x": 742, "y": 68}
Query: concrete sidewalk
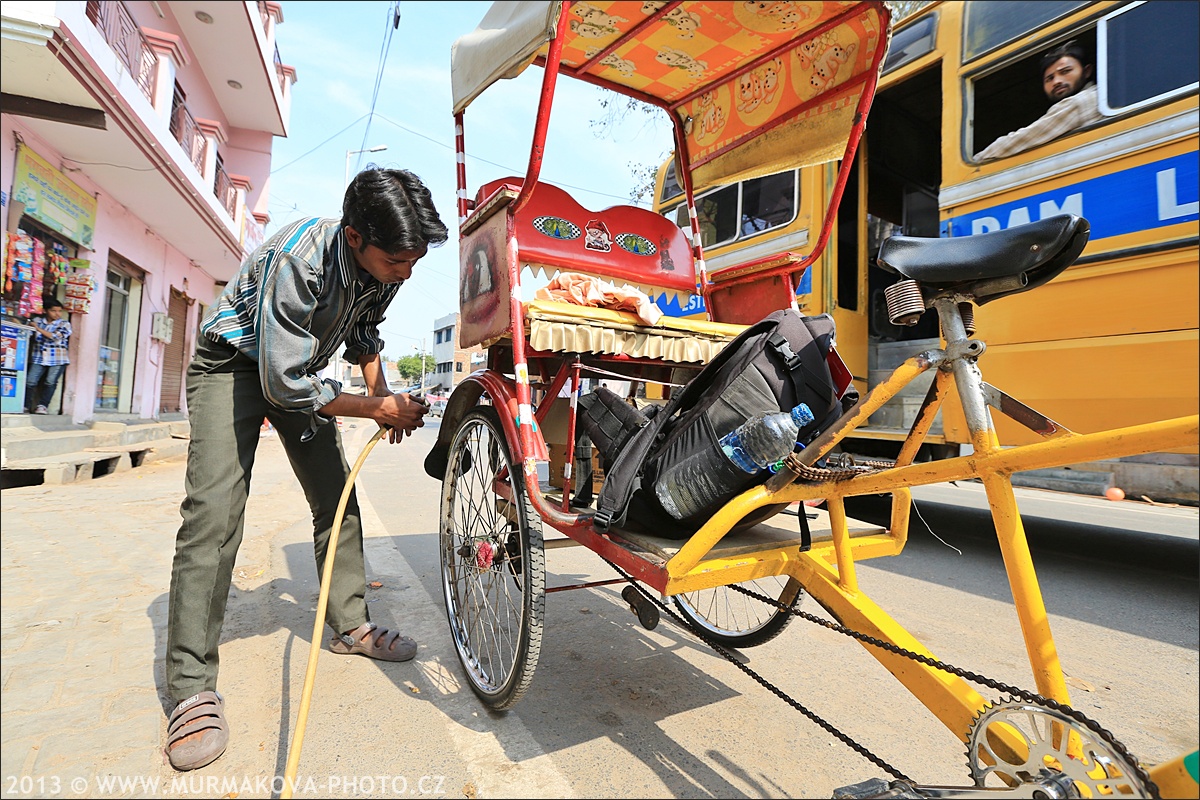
{"x": 86, "y": 570}
{"x": 84, "y": 575}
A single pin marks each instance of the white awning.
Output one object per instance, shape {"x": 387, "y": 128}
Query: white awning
{"x": 502, "y": 46}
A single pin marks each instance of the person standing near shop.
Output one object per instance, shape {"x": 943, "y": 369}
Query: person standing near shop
{"x": 314, "y": 286}
{"x": 50, "y": 340}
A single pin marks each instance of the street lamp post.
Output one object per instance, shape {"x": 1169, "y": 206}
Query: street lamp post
{"x": 350, "y": 153}
{"x": 422, "y": 365}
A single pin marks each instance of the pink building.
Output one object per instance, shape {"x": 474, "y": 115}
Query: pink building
{"x": 136, "y": 154}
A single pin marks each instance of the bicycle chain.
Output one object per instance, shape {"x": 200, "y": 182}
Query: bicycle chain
{"x": 772, "y": 688}
{"x": 842, "y": 468}
{"x": 845, "y": 739}
{"x": 973, "y": 677}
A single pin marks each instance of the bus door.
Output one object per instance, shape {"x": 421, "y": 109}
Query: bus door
{"x": 893, "y": 189}
{"x": 845, "y": 290}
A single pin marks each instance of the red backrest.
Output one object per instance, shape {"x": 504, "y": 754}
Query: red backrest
{"x": 620, "y": 243}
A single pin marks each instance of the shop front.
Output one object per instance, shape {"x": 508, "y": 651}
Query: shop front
{"x": 49, "y": 234}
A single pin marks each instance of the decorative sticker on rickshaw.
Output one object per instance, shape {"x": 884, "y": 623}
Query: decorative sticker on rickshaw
{"x": 597, "y": 236}
{"x": 665, "y": 262}
{"x": 636, "y": 244}
{"x": 556, "y": 227}
{"x": 483, "y": 283}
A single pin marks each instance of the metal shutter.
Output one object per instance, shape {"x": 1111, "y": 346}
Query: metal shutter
{"x": 170, "y": 396}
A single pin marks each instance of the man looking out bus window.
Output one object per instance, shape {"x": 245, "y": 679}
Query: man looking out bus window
{"x": 1067, "y": 82}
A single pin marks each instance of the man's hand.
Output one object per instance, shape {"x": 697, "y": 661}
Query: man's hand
{"x": 401, "y": 414}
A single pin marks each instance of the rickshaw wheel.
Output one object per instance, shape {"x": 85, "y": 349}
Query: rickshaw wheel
{"x": 493, "y": 563}
{"x": 733, "y": 619}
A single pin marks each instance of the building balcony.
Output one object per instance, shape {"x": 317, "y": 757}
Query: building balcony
{"x": 148, "y": 118}
{"x": 114, "y": 21}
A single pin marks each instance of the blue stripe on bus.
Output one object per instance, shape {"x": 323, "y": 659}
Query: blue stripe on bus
{"x": 1136, "y": 199}
{"x": 672, "y": 306}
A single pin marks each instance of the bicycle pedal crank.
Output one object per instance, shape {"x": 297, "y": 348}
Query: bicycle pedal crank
{"x": 1048, "y": 786}
{"x": 645, "y": 611}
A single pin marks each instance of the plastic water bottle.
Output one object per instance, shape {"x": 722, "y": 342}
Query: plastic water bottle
{"x": 705, "y": 480}
{"x": 765, "y": 438}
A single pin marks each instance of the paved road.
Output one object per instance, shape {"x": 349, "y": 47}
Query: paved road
{"x": 1158, "y": 537}
{"x": 620, "y": 711}
{"x": 614, "y": 711}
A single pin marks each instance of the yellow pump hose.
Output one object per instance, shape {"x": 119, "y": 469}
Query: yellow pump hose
{"x": 310, "y": 675}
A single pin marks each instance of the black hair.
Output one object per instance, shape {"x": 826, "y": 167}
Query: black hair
{"x": 49, "y": 304}
{"x": 1072, "y": 48}
{"x": 392, "y": 210}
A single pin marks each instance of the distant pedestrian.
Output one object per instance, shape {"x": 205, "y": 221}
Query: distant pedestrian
{"x": 50, "y": 359}
{"x": 314, "y": 286}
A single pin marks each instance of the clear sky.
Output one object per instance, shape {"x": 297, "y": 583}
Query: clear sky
{"x": 336, "y": 49}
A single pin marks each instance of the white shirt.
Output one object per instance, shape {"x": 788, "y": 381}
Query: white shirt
{"x": 1066, "y": 115}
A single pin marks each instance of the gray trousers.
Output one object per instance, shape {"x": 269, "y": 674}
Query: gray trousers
{"x": 226, "y": 408}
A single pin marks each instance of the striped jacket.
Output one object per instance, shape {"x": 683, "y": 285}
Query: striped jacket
{"x": 294, "y": 302}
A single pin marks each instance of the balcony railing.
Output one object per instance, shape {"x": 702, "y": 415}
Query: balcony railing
{"x": 188, "y": 134}
{"x": 279, "y": 70}
{"x": 264, "y": 14}
{"x": 116, "y": 24}
{"x": 225, "y": 191}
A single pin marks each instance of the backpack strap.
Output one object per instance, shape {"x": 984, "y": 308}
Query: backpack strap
{"x": 807, "y": 372}
{"x": 612, "y": 505}
{"x": 802, "y": 374}
{"x": 623, "y": 479}
{"x": 805, "y": 533}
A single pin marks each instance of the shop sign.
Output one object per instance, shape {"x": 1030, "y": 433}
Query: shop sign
{"x": 252, "y": 233}
{"x": 53, "y": 199}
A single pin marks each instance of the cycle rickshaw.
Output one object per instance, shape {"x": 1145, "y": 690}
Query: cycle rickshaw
{"x": 750, "y": 88}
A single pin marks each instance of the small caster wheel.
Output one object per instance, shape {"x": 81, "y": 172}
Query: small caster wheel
{"x": 646, "y": 611}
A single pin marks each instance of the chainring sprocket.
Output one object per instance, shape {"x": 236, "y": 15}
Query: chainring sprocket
{"x": 1052, "y": 743}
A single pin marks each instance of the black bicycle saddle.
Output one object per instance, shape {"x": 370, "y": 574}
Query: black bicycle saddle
{"x": 990, "y": 265}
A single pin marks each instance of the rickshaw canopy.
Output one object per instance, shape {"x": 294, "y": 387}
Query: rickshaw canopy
{"x": 758, "y": 86}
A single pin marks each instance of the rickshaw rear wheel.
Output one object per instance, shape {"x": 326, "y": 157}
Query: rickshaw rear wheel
{"x": 493, "y": 562}
{"x": 735, "y": 620}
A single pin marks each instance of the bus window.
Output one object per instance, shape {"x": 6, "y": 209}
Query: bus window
{"x": 768, "y": 202}
{"x": 1129, "y": 79}
{"x": 911, "y": 42}
{"x": 718, "y": 214}
{"x": 990, "y": 24}
{"x": 1012, "y": 97}
{"x": 761, "y": 204}
{"x": 670, "y": 184}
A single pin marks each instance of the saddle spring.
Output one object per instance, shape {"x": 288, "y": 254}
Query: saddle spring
{"x": 906, "y": 304}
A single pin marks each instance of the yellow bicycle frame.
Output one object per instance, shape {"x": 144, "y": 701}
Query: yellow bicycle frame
{"x": 827, "y": 570}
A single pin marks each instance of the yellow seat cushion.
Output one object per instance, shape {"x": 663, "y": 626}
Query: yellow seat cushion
{"x": 565, "y": 327}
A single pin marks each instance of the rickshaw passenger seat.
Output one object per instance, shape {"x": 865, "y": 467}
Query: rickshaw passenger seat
{"x": 620, "y": 243}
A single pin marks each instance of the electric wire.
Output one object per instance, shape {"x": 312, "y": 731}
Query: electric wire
{"x": 511, "y": 169}
{"x": 385, "y": 47}
{"x": 318, "y": 147}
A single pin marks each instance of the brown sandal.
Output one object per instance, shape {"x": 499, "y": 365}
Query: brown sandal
{"x": 372, "y": 641}
{"x": 200, "y": 720}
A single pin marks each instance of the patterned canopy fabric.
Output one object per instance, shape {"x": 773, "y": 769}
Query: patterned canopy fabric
{"x": 760, "y": 86}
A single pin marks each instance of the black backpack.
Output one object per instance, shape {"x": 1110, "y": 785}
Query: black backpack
{"x": 773, "y": 365}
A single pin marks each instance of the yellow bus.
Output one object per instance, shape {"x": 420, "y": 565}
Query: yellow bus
{"x": 1119, "y": 327}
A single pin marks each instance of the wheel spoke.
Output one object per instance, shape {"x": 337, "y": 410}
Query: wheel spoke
{"x": 494, "y": 621}
{"x": 736, "y": 619}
